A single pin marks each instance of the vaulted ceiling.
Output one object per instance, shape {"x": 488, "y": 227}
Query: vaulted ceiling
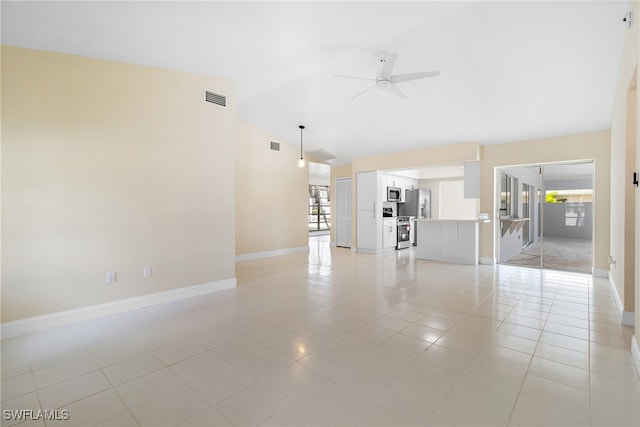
{"x": 509, "y": 70}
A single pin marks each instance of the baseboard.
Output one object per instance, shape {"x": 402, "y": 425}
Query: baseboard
{"x": 268, "y": 254}
{"x": 367, "y": 251}
{"x": 61, "y": 318}
{"x": 487, "y": 261}
{"x": 628, "y": 317}
{"x": 600, "y": 272}
{"x": 616, "y": 297}
{"x": 635, "y": 352}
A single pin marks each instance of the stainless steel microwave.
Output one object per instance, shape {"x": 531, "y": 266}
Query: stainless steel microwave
{"x": 393, "y": 194}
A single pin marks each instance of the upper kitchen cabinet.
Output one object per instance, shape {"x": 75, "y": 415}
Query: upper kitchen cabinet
{"x": 401, "y": 182}
{"x": 472, "y": 180}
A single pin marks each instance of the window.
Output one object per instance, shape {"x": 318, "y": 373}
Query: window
{"x": 574, "y": 215}
{"x": 506, "y": 183}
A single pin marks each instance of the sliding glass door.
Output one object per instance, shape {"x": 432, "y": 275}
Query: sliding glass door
{"x": 545, "y": 215}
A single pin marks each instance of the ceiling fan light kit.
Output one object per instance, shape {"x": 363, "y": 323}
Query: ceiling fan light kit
{"x": 387, "y": 81}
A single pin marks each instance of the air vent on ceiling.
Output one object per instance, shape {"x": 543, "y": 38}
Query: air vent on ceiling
{"x": 215, "y": 98}
{"x": 275, "y": 146}
{"x": 321, "y": 155}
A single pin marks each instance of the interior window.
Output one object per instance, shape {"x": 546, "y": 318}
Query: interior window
{"x": 506, "y": 182}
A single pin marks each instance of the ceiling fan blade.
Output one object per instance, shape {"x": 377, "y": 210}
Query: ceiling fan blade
{"x": 396, "y": 91}
{"x": 343, "y": 76}
{"x": 399, "y": 78}
{"x": 388, "y": 65}
{"x": 361, "y": 93}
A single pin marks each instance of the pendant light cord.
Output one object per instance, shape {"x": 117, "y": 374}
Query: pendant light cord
{"x": 301, "y": 129}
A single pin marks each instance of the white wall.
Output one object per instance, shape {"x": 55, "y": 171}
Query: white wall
{"x": 452, "y": 204}
{"x": 555, "y": 222}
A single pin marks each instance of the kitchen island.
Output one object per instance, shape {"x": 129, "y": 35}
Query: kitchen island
{"x": 448, "y": 240}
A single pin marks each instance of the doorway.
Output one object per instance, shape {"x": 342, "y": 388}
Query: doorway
{"x": 343, "y": 217}
{"x": 319, "y": 201}
{"x": 545, "y": 216}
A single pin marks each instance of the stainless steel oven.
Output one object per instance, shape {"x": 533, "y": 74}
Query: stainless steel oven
{"x": 404, "y": 230}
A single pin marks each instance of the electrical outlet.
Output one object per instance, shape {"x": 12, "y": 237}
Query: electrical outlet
{"x": 111, "y": 277}
{"x": 146, "y": 271}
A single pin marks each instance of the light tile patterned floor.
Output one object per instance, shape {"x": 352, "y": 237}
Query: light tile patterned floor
{"x": 338, "y": 338}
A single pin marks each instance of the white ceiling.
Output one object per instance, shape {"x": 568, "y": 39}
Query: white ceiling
{"x": 509, "y": 70}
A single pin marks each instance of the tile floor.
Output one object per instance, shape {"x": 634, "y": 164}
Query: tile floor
{"x": 338, "y": 338}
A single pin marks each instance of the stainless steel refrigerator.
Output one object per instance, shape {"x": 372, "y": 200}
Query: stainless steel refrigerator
{"x": 417, "y": 203}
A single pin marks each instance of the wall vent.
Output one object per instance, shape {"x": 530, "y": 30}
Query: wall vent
{"x": 215, "y": 98}
{"x": 275, "y": 146}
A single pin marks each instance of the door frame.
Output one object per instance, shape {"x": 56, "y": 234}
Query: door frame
{"x": 349, "y": 211}
{"x": 497, "y": 188}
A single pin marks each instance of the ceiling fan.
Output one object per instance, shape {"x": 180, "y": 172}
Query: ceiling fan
{"x": 386, "y": 80}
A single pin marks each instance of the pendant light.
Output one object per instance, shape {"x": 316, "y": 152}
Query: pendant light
{"x": 301, "y": 161}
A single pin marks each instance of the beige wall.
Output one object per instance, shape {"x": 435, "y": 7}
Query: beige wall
{"x": 594, "y": 145}
{"x": 110, "y": 166}
{"x": 625, "y": 144}
{"x": 271, "y": 194}
{"x": 622, "y": 204}
{"x": 338, "y": 172}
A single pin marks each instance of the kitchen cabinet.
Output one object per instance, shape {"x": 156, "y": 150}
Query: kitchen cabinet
{"x": 369, "y": 211}
{"x": 389, "y": 233}
{"x": 429, "y": 238}
{"x": 369, "y": 238}
{"x": 453, "y": 241}
{"x": 472, "y": 180}
{"x": 367, "y": 196}
{"x": 449, "y": 239}
{"x": 404, "y": 183}
{"x": 467, "y": 240}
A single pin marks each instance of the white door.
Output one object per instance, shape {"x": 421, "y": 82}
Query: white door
{"x": 343, "y": 212}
